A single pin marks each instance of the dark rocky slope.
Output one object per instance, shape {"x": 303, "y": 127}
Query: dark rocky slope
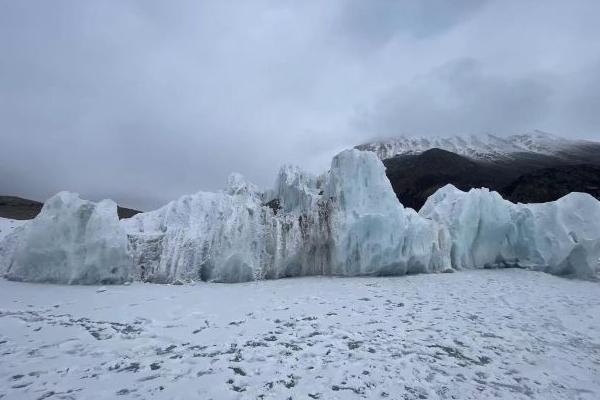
{"x": 550, "y": 184}
{"x": 524, "y": 177}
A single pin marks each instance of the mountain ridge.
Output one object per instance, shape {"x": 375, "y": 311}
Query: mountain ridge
{"x": 526, "y": 178}
{"x": 487, "y": 147}
{"x": 549, "y": 166}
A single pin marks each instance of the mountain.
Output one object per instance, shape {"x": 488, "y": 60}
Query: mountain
{"x": 415, "y": 177}
{"x": 548, "y": 184}
{"x": 13, "y": 207}
{"x": 18, "y": 208}
{"x": 416, "y": 169}
{"x": 490, "y": 147}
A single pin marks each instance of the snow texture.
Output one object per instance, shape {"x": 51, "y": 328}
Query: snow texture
{"x": 8, "y": 226}
{"x": 345, "y": 222}
{"x": 72, "y": 241}
{"x": 480, "y": 147}
{"x": 511, "y": 334}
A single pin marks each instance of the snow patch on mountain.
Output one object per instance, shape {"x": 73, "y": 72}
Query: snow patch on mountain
{"x": 486, "y": 147}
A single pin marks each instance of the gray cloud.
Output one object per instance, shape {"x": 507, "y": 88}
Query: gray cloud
{"x": 376, "y": 22}
{"x": 461, "y": 98}
{"x": 143, "y": 101}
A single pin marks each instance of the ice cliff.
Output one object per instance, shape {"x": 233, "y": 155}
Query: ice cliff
{"x": 371, "y": 232}
{"x": 71, "y": 241}
{"x": 561, "y": 237}
{"x": 347, "y": 222}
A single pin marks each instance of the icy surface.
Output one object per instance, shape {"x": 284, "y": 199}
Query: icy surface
{"x": 71, "y": 241}
{"x": 227, "y": 237}
{"x": 296, "y": 190}
{"x": 509, "y": 334}
{"x": 347, "y": 222}
{"x": 481, "y": 147}
{"x": 10, "y": 231}
{"x": 371, "y": 231}
{"x": 560, "y": 237}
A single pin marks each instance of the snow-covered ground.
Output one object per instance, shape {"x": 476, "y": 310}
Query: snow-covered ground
{"x": 509, "y": 334}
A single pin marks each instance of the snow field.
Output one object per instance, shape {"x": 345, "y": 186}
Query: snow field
{"x": 480, "y": 334}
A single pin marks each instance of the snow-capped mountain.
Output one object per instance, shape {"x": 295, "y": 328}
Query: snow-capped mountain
{"x": 485, "y": 147}
{"x": 418, "y": 166}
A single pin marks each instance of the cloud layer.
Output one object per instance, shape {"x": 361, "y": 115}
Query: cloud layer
{"x": 143, "y": 101}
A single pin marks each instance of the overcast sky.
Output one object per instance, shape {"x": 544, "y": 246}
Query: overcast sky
{"x": 143, "y": 101}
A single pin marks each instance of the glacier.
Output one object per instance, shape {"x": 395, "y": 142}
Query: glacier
{"x": 345, "y": 222}
{"x": 231, "y": 236}
{"x": 372, "y": 233}
{"x": 10, "y": 232}
{"x": 561, "y": 237}
{"x": 71, "y": 241}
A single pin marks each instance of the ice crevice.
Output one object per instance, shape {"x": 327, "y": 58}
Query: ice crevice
{"x": 344, "y": 222}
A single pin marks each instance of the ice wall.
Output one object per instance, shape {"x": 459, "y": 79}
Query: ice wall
{"x": 230, "y": 236}
{"x": 10, "y": 234}
{"x": 565, "y": 235}
{"x": 372, "y": 232}
{"x": 71, "y": 241}
{"x": 560, "y": 237}
{"x": 192, "y": 236}
{"x": 345, "y": 222}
